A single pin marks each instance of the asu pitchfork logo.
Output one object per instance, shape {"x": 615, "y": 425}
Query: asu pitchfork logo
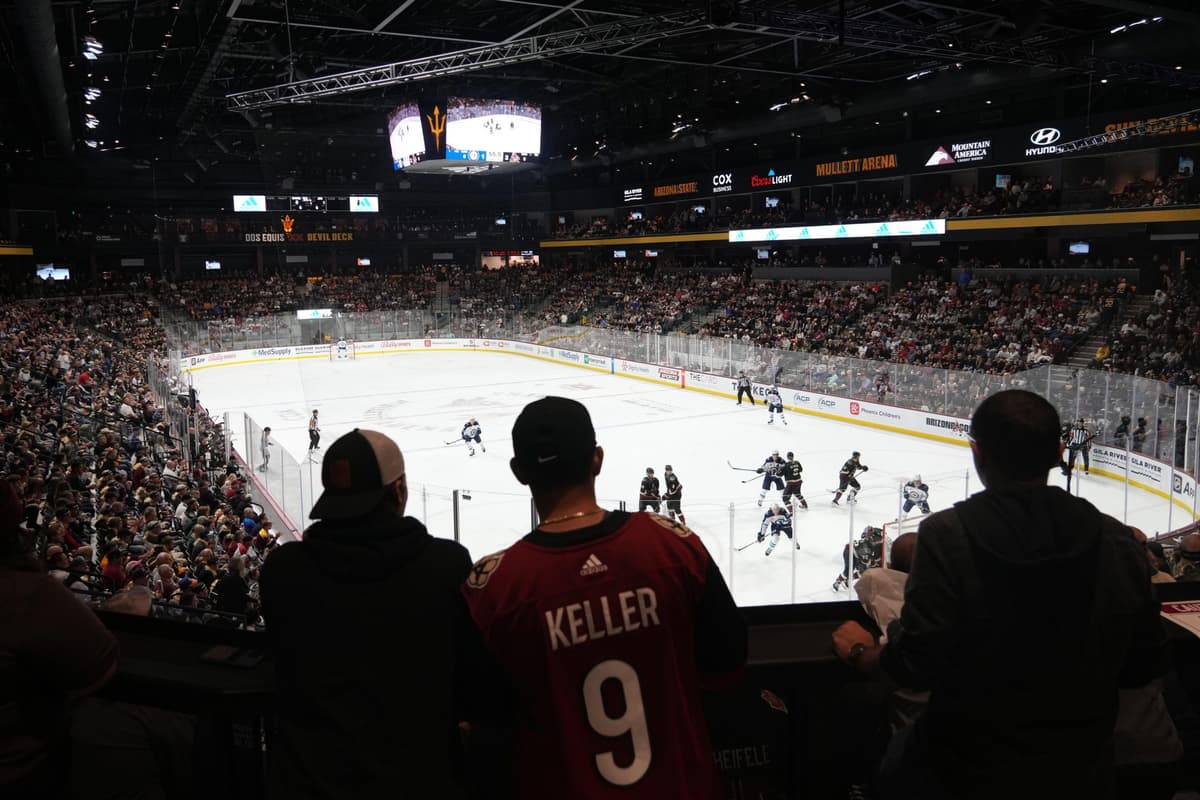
{"x": 437, "y": 126}
{"x": 287, "y": 222}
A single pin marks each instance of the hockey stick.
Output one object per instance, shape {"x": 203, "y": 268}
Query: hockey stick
{"x": 456, "y": 441}
{"x": 740, "y": 469}
{"x": 751, "y": 478}
{"x": 743, "y": 547}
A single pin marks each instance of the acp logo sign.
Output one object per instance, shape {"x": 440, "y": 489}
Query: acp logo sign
{"x": 1044, "y": 142}
{"x": 1179, "y": 486}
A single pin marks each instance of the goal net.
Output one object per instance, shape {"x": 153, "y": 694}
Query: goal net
{"x": 336, "y": 352}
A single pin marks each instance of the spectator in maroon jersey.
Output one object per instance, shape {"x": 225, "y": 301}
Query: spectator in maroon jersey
{"x": 607, "y": 624}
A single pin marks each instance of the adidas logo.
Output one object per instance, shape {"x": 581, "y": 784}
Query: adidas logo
{"x": 593, "y": 566}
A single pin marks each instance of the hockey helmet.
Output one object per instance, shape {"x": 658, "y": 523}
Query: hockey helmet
{"x": 917, "y": 478}
{"x": 667, "y": 468}
{"x": 649, "y": 470}
{"x": 774, "y": 452}
{"x": 855, "y": 454}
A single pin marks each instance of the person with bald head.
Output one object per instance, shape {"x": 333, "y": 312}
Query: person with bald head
{"x": 1025, "y": 612}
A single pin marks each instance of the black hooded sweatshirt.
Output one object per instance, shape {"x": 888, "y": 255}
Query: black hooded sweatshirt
{"x": 1024, "y": 612}
{"x": 366, "y": 626}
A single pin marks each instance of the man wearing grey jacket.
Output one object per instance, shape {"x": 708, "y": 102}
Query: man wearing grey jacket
{"x": 1025, "y": 611}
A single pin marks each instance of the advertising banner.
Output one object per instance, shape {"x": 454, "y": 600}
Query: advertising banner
{"x": 850, "y": 230}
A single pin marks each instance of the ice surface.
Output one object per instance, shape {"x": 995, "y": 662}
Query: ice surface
{"x": 423, "y": 399}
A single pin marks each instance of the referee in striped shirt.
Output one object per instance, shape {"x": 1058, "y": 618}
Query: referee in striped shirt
{"x": 1078, "y": 438}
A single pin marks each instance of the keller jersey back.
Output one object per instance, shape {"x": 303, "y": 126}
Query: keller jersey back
{"x": 792, "y": 471}
{"x": 850, "y": 467}
{"x": 604, "y": 634}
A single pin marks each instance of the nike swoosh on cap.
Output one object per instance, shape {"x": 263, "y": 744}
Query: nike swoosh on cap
{"x": 546, "y": 460}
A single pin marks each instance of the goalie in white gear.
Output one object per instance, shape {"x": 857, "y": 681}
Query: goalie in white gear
{"x": 775, "y": 405}
{"x": 343, "y": 348}
{"x": 916, "y": 493}
{"x": 777, "y": 520}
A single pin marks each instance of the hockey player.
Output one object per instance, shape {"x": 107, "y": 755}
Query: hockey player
{"x": 648, "y": 494}
{"x": 775, "y": 404}
{"x": 772, "y": 472}
{"x": 470, "y": 435}
{"x": 916, "y": 493}
{"x": 846, "y": 478}
{"x": 343, "y": 348}
{"x": 265, "y": 444}
{"x": 777, "y": 520}
{"x": 743, "y": 386}
{"x": 674, "y": 495}
{"x": 314, "y": 433}
{"x": 868, "y": 553}
{"x": 792, "y": 482}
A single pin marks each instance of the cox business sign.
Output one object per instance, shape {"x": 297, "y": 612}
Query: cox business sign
{"x": 722, "y": 182}
{"x": 854, "y": 230}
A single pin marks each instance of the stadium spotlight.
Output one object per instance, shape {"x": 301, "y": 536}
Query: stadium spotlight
{"x": 90, "y": 121}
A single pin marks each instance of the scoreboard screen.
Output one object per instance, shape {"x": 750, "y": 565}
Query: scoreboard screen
{"x": 313, "y": 203}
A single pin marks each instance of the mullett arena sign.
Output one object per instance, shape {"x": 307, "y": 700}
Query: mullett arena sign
{"x": 853, "y": 166}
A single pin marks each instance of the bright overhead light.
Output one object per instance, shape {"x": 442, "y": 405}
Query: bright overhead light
{"x": 91, "y": 143}
{"x": 1104, "y": 80}
{"x": 1178, "y": 66}
{"x": 777, "y": 106}
{"x": 920, "y": 74}
{"x": 89, "y": 55}
{"x": 989, "y": 102}
{"x": 1117, "y": 29}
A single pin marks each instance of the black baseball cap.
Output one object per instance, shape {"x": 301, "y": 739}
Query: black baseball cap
{"x": 551, "y": 435}
{"x": 356, "y": 473}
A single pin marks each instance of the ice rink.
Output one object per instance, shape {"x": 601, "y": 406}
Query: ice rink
{"x": 503, "y": 133}
{"x": 422, "y": 399}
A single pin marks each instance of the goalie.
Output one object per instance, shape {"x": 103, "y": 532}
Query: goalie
{"x": 916, "y": 493}
{"x": 868, "y": 553}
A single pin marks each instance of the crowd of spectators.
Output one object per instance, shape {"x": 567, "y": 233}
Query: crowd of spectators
{"x": 1162, "y": 339}
{"x": 122, "y": 509}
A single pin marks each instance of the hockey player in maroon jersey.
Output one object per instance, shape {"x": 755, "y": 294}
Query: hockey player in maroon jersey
{"x": 607, "y": 624}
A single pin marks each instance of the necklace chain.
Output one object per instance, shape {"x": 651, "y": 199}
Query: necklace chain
{"x": 576, "y": 515}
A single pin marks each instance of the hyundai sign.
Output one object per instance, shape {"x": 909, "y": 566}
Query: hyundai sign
{"x": 1043, "y": 142}
{"x": 855, "y": 230}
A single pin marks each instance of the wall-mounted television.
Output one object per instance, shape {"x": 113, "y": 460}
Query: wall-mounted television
{"x": 53, "y": 272}
{"x": 772, "y": 202}
{"x": 212, "y": 265}
{"x": 618, "y": 253}
{"x": 1079, "y": 248}
{"x": 763, "y": 255}
{"x": 363, "y": 262}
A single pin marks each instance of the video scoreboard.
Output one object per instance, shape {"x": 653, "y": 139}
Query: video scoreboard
{"x": 360, "y": 204}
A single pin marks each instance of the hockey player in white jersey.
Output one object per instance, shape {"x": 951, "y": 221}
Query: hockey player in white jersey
{"x": 916, "y": 493}
{"x": 777, "y": 520}
{"x": 343, "y": 348}
{"x": 772, "y": 472}
{"x": 471, "y": 435}
{"x": 775, "y": 405}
